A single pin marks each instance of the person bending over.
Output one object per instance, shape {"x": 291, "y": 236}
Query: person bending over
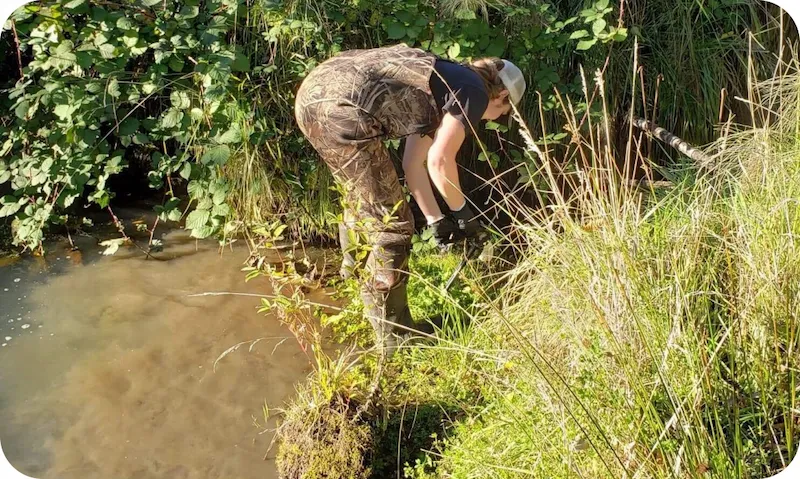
{"x": 348, "y": 105}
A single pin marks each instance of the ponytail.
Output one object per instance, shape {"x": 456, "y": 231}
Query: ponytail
{"x": 488, "y": 69}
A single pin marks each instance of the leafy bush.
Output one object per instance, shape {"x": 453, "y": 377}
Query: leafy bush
{"x": 201, "y": 93}
{"x": 107, "y": 85}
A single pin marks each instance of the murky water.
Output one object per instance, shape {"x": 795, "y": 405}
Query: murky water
{"x": 106, "y": 365}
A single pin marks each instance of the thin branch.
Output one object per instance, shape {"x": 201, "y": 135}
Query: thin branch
{"x": 265, "y": 296}
{"x": 16, "y": 40}
{"x": 671, "y": 139}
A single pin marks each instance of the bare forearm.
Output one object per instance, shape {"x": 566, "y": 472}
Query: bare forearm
{"x": 443, "y": 172}
{"x": 420, "y": 187}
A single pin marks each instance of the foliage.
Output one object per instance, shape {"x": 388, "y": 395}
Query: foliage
{"x": 201, "y": 93}
{"x": 650, "y": 336}
{"x": 108, "y": 84}
{"x": 697, "y": 56}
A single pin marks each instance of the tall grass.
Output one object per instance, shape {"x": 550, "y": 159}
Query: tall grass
{"x": 649, "y": 333}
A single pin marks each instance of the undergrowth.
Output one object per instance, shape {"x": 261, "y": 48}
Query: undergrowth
{"x": 644, "y": 331}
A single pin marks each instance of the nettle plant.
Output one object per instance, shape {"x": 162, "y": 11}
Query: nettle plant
{"x": 109, "y": 83}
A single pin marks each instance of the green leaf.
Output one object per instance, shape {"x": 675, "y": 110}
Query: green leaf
{"x": 598, "y": 26}
{"x": 63, "y": 112}
{"x": 112, "y": 245}
{"x": 396, "y": 31}
{"x": 601, "y": 4}
{"x": 187, "y": 13}
{"x": 65, "y": 47}
{"x": 413, "y": 32}
{"x": 219, "y": 197}
{"x": 494, "y": 126}
{"x": 22, "y": 109}
{"x": 586, "y": 44}
{"x": 465, "y": 14}
{"x": 404, "y": 16}
{"x": 202, "y": 232}
{"x": 279, "y": 230}
{"x": 497, "y": 47}
{"x": 197, "y": 218}
{"x": 74, "y": 4}
{"x": 186, "y": 171}
{"x": 128, "y": 126}
{"x": 10, "y": 205}
{"x": 106, "y": 50}
{"x": 124, "y": 23}
{"x": 196, "y": 113}
{"x": 194, "y": 188}
{"x": 231, "y": 136}
{"x": 180, "y": 99}
{"x": 216, "y": 155}
{"x": 454, "y": 51}
{"x": 172, "y": 118}
{"x": 130, "y": 38}
{"x": 113, "y": 88}
{"x": 149, "y": 88}
{"x": 241, "y": 63}
{"x": 174, "y": 215}
{"x": 100, "y": 38}
{"x": 205, "y": 204}
{"x": 175, "y": 63}
{"x": 578, "y": 34}
{"x": 150, "y": 3}
{"x": 221, "y": 210}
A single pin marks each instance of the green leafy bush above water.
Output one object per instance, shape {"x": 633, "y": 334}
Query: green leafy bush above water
{"x": 200, "y": 94}
{"x": 108, "y": 85}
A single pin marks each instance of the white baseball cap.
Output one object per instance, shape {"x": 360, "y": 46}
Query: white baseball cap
{"x": 513, "y": 80}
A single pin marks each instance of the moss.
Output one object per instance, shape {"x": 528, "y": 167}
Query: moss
{"x": 328, "y": 441}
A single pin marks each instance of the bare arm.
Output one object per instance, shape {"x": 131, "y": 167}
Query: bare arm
{"x": 442, "y": 165}
{"x": 414, "y": 156}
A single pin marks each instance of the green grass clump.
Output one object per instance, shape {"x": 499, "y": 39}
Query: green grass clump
{"x": 650, "y": 335}
{"x": 641, "y": 333}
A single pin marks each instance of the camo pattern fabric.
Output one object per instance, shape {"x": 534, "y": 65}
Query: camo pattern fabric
{"x": 346, "y": 107}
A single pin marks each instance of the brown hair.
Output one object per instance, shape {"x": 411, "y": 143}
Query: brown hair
{"x": 488, "y": 68}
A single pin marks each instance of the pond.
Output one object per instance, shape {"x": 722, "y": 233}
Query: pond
{"x": 107, "y": 364}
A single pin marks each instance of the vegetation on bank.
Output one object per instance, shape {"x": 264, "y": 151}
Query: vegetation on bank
{"x": 642, "y": 331}
{"x": 196, "y": 96}
{"x": 619, "y": 331}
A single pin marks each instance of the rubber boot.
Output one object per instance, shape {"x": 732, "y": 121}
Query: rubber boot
{"x": 385, "y": 311}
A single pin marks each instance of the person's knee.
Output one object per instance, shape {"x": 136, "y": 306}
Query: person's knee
{"x": 389, "y": 267}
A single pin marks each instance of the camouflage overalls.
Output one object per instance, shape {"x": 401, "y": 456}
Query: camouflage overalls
{"x": 347, "y": 107}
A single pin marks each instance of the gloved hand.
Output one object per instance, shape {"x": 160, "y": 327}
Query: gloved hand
{"x": 445, "y": 232}
{"x": 467, "y": 222}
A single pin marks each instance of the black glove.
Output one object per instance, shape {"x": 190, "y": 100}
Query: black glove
{"x": 445, "y": 232}
{"x": 467, "y": 222}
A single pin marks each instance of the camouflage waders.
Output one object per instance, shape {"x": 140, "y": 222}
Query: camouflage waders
{"x": 346, "y": 107}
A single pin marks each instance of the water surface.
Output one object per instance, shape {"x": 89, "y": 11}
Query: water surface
{"x": 106, "y": 365}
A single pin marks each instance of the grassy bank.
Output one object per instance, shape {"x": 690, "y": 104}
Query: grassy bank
{"x": 641, "y": 333}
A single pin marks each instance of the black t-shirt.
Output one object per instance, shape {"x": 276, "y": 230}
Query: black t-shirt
{"x": 468, "y": 99}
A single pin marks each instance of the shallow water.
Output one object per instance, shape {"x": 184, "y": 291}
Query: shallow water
{"x": 106, "y": 367}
